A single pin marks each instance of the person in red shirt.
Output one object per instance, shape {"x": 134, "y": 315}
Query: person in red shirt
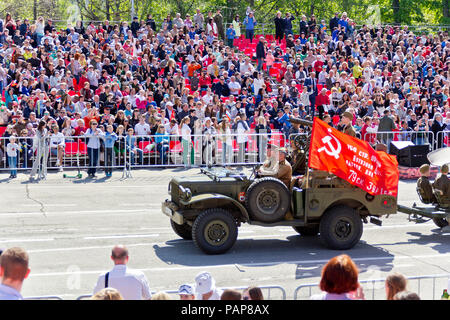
{"x": 322, "y": 100}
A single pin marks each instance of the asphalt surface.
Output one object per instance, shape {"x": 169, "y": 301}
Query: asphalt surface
{"x": 68, "y": 226}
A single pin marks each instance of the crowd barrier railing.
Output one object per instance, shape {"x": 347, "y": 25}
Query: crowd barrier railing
{"x": 374, "y": 289}
{"x": 270, "y": 292}
{"x": 443, "y": 139}
{"x": 386, "y": 137}
{"x": 130, "y": 152}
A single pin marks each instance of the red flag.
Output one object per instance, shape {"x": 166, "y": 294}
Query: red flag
{"x": 353, "y": 160}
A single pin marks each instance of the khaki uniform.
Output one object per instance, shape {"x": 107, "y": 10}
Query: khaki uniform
{"x": 284, "y": 173}
{"x": 348, "y": 129}
{"x": 270, "y": 166}
{"x": 443, "y": 184}
{"x": 424, "y": 184}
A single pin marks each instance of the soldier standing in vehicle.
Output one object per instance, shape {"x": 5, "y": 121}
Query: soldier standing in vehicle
{"x": 424, "y": 185}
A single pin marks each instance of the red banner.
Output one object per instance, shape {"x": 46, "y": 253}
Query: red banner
{"x": 353, "y": 160}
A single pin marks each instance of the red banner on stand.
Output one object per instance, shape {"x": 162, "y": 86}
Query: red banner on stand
{"x": 353, "y": 160}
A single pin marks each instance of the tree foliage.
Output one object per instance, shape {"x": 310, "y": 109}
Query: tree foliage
{"x": 411, "y": 12}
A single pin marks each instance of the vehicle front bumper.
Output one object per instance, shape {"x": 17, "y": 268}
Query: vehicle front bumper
{"x": 169, "y": 208}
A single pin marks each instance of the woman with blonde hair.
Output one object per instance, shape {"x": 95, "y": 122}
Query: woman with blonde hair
{"x": 107, "y": 294}
{"x": 395, "y": 283}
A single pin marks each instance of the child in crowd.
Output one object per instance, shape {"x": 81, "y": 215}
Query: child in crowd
{"x": 12, "y": 149}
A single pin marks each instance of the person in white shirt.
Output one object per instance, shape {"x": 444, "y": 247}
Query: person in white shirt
{"x": 205, "y": 287}
{"x": 57, "y": 145}
{"x": 13, "y": 271}
{"x": 172, "y": 128}
{"x": 142, "y": 128}
{"x": 132, "y": 284}
{"x": 234, "y": 86}
{"x": 186, "y": 141}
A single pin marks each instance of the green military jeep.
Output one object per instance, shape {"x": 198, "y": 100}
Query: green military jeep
{"x": 209, "y": 207}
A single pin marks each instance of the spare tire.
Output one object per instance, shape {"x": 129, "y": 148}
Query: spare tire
{"x": 268, "y": 200}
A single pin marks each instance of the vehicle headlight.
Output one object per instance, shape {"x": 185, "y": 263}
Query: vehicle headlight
{"x": 185, "y": 193}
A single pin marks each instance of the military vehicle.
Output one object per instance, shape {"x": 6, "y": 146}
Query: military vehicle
{"x": 439, "y": 210}
{"x": 210, "y": 206}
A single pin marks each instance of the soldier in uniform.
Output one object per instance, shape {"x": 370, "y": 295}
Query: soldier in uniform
{"x": 284, "y": 168}
{"x": 347, "y": 119}
{"x": 442, "y": 183}
{"x": 270, "y": 166}
{"x": 423, "y": 183}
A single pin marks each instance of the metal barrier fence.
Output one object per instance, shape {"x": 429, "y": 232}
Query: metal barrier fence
{"x": 265, "y": 289}
{"x": 375, "y": 290}
{"x": 443, "y": 139}
{"x": 129, "y": 151}
{"x": 417, "y": 137}
{"x": 44, "y": 298}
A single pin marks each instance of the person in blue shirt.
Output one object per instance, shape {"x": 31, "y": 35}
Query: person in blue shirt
{"x": 132, "y": 149}
{"x": 250, "y": 23}
{"x": 231, "y": 34}
{"x": 109, "y": 139}
{"x": 162, "y": 143}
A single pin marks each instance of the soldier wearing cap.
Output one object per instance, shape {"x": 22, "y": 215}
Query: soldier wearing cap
{"x": 424, "y": 185}
{"x": 347, "y": 119}
{"x": 270, "y": 166}
{"x": 284, "y": 167}
{"x": 442, "y": 183}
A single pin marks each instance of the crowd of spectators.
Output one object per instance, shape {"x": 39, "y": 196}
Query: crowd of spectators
{"x": 339, "y": 281}
{"x": 187, "y": 76}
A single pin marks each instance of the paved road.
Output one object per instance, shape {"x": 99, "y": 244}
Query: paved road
{"x": 69, "y": 227}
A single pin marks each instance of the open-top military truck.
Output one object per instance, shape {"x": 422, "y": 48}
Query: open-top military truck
{"x": 209, "y": 207}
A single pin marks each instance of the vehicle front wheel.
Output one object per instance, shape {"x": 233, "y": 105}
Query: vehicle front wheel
{"x": 183, "y": 230}
{"x": 440, "y": 222}
{"x": 341, "y": 228}
{"x": 215, "y": 231}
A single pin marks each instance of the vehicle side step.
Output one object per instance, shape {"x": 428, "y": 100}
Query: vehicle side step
{"x": 285, "y": 223}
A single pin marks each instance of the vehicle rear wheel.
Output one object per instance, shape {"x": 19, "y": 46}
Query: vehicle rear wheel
{"x": 440, "y": 222}
{"x": 183, "y": 230}
{"x": 268, "y": 200}
{"x": 307, "y": 231}
{"x": 341, "y": 228}
{"x": 215, "y": 231}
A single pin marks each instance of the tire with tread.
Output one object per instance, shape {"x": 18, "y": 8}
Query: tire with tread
{"x": 214, "y": 231}
{"x": 268, "y": 200}
{"x": 184, "y": 230}
{"x": 440, "y": 222}
{"x": 340, "y": 228}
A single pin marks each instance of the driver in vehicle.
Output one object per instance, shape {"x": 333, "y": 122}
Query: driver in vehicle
{"x": 442, "y": 183}
{"x": 424, "y": 185}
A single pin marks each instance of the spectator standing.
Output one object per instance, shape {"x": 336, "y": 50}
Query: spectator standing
{"x": 231, "y": 294}
{"x": 237, "y": 26}
{"x": 250, "y": 23}
{"x": 395, "y": 283}
{"x": 107, "y": 294}
{"x": 288, "y": 24}
{"x": 13, "y": 271}
{"x": 110, "y": 139}
{"x": 132, "y": 284}
{"x": 218, "y": 19}
{"x": 279, "y": 27}
{"x": 93, "y": 135}
{"x": 12, "y": 150}
{"x": 339, "y": 280}
{"x": 252, "y": 293}
{"x": 186, "y": 292}
{"x": 334, "y": 22}
{"x": 260, "y": 54}
{"x": 231, "y": 35}
{"x": 386, "y": 125}
{"x": 205, "y": 287}
{"x": 199, "y": 20}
